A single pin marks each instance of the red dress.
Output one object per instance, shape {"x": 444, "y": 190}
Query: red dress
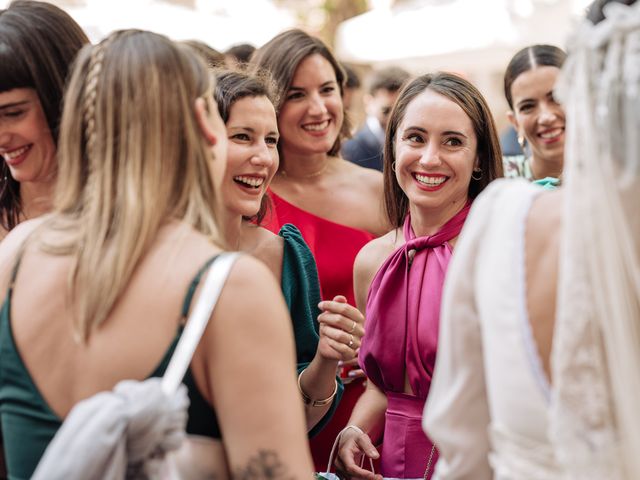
{"x": 334, "y": 247}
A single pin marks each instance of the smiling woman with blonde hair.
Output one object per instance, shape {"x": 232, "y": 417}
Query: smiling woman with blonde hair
{"x": 100, "y": 290}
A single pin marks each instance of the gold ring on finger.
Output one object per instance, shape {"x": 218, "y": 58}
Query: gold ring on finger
{"x": 353, "y": 327}
{"x": 350, "y": 341}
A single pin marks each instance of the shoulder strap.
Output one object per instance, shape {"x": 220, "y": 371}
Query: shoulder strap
{"x": 193, "y": 286}
{"x": 197, "y": 322}
{"x": 16, "y": 264}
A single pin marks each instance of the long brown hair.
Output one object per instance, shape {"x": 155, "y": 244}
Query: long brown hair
{"x": 38, "y": 42}
{"x": 464, "y": 94}
{"x": 281, "y": 57}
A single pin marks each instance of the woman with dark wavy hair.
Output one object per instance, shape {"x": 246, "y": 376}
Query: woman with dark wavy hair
{"x": 38, "y": 43}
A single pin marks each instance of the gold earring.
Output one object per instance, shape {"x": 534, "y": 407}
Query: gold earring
{"x": 522, "y": 142}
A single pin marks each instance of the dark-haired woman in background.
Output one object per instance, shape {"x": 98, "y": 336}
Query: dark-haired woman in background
{"x": 535, "y": 114}
{"x": 38, "y": 42}
{"x": 335, "y": 204}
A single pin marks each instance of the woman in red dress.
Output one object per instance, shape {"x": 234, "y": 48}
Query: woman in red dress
{"x": 336, "y": 204}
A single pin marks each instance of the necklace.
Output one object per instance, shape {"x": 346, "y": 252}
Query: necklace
{"x": 308, "y": 175}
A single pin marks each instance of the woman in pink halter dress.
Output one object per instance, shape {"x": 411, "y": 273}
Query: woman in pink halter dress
{"x": 441, "y": 150}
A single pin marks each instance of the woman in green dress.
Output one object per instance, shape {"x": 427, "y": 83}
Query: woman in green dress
{"x": 325, "y": 332}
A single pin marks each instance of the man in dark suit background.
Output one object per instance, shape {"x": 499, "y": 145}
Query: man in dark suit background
{"x": 365, "y": 148}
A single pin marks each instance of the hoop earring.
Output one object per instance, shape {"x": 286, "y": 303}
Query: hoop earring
{"x": 393, "y": 166}
{"x": 478, "y": 171}
{"x": 522, "y": 142}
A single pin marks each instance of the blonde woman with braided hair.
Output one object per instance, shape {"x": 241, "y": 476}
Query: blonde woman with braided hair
{"x": 100, "y": 288}
{"x": 539, "y": 347}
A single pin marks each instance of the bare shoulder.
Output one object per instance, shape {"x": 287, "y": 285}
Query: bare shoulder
{"x": 363, "y": 188}
{"x": 370, "y": 259}
{"x": 366, "y": 178}
{"x": 250, "y": 288}
{"x": 545, "y": 211}
{"x": 374, "y": 253}
{"x": 263, "y": 245}
{"x": 11, "y": 244}
{"x": 248, "y": 273}
{"x": 547, "y": 207}
{"x": 544, "y": 221}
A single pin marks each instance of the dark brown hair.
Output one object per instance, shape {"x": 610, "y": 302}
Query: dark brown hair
{"x": 232, "y": 86}
{"x": 281, "y": 57}
{"x": 38, "y": 43}
{"x": 390, "y": 79}
{"x": 527, "y": 59}
{"x": 464, "y": 94}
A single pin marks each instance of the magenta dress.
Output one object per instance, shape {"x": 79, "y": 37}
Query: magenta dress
{"x": 403, "y": 314}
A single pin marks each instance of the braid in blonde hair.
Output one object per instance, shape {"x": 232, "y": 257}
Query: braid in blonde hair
{"x": 90, "y": 94}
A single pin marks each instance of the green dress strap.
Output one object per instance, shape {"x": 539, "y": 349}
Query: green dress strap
{"x": 193, "y": 286}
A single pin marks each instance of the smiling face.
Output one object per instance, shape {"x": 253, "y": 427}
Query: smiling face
{"x": 311, "y": 115}
{"x": 536, "y": 115}
{"x": 252, "y": 154}
{"x": 26, "y": 143}
{"x": 435, "y": 152}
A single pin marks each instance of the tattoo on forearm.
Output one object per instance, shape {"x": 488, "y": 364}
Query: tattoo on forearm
{"x": 266, "y": 465}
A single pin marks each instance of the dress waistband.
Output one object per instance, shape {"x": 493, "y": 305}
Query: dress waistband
{"x": 405, "y": 404}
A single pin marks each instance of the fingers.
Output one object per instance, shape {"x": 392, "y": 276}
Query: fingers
{"x": 364, "y": 444}
{"x": 348, "y": 339}
{"x": 341, "y": 308}
{"x": 343, "y": 352}
{"x": 349, "y": 457}
{"x": 357, "y": 373}
{"x": 352, "y": 325}
{"x": 350, "y": 363}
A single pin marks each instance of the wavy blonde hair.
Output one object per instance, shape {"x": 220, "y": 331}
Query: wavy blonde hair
{"x": 131, "y": 157}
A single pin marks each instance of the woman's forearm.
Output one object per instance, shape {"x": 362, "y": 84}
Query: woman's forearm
{"x": 368, "y": 413}
{"x": 317, "y": 383}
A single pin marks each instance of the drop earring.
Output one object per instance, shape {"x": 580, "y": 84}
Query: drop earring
{"x": 522, "y": 142}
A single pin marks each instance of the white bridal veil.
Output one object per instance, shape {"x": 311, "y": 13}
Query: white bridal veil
{"x": 595, "y": 413}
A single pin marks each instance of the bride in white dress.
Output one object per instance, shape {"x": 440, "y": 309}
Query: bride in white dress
{"x": 538, "y": 368}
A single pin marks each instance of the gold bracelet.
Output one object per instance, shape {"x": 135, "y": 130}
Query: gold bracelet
{"x": 316, "y": 403}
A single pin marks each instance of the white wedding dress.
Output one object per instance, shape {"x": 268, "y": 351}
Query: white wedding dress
{"x": 488, "y": 406}
{"x": 491, "y": 411}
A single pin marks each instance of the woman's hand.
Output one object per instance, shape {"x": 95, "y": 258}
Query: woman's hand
{"x": 354, "y": 372}
{"x": 341, "y": 329}
{"x": 353, "y": 445}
